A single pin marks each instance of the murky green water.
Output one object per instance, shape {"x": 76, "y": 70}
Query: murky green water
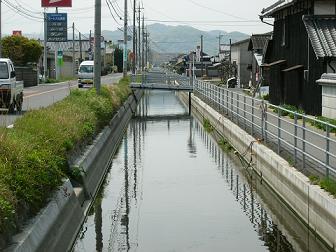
{"x": 171, "y": 188}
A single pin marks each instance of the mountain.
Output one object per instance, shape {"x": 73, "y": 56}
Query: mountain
{"x": 181, "y": 39}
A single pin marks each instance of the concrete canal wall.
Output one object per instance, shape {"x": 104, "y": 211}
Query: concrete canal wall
{"x": 312, "y": 204}
{"x": 57, "y": 225}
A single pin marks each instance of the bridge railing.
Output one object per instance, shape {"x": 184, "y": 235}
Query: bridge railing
{"x": 291, "y": 134}
{"x": 161, "y": 77}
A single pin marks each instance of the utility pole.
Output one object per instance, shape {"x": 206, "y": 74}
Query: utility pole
{"x": 125, "y": 41}
{"x": 139, "y": 39}
{"x": 57, "y": 51}
{"x": 97, "y": 46}
{"x": 147, "y": 48}
{"x": 202, "y": 63}
{"x": 45, "y": 50}
{"x": 219, "y": 42}
{"x": 73, "y": 51}
{"x": 90, "y": 39}
{"x": 134, "y": 37}
{"x": 230, "y": 50}
{"x": 0, "y": 30}
{"x": 143, "y": 43}
{"x": 80, "y": 48}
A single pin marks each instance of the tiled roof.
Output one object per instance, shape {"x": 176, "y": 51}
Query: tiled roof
{"x": 322, "y": 34}
{"x": 269, "y": 11}
{"x": 67, "y": 46}
{"x": 258, "y": 41}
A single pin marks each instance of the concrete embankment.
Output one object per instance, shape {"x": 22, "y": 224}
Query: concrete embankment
{"x": 56, "y": 227}
{"x": 314, "y": 206}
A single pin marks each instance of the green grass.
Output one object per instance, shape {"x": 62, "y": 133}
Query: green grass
{"x": 327, "y": 184}
{"x": 286, "y": 113}
{"x": 34, "y": 155}
{"x": 322, "y": 126}
{"x": 225, "y": 145}
{"x": 207, "y": 125}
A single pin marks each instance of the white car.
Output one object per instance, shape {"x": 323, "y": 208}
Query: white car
{"x": 85, "y": 74}
{"x": 11, "y": 91}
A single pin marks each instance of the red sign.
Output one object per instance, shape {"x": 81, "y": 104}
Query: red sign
{"x": 17, "y": 33}
{"x": 56, "y": 3}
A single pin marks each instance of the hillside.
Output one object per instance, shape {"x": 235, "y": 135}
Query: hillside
{"x": 181, "y": 39}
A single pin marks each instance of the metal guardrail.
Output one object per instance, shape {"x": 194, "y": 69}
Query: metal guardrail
{"x": 161, "y": 77}
{"x": 291, "y": 136}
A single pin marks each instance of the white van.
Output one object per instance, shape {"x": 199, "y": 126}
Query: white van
{"x": 85, "y": 74}
{"x": 11, "y": 91}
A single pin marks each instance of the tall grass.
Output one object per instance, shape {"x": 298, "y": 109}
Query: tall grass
{"x": 34, "y": 155}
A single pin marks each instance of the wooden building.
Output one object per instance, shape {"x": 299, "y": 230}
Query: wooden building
{"x": 257, "y": 48}
{"x": 302, "y": 49}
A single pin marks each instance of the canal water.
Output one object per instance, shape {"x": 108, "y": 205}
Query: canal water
{"x": 171, "y": 188}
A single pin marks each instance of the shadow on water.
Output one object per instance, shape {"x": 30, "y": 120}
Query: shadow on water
{"x": 172, "y": 188}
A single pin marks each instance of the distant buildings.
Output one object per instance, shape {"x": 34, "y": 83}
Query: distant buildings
{"x": 242, "y": 58}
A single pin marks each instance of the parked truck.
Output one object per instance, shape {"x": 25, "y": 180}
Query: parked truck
{"x": 11, "y": 91}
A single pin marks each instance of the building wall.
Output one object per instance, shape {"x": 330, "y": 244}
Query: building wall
{"x": 292, "y": 87}
{"x": 29, "y": 76}
{"x": 242, "y": 56}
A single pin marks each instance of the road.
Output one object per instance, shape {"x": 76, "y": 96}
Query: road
{"x": 45, "y": 95}
{"x": 233, "y": 106}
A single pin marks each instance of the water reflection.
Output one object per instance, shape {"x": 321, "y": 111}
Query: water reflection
{"x": 254, "y": 198}
{"x": 171, "y": 188}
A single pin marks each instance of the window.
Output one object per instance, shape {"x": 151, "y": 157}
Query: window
{"x": 86, "y": 69}
{"x": 4, "y": 70}
{"x": 283, "y": 38}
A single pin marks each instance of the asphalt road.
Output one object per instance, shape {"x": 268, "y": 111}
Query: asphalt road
{"x": 45, "y": 95}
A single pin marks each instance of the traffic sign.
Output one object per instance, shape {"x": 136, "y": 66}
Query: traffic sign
{"x": 57, "y": 27}
{"x": 56, "y": 3}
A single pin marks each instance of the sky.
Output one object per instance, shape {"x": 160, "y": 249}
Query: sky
{"x": 226, "y": 15}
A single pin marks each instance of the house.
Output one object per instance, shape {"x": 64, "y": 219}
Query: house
{"x": 82, "y": 52}
{"x": 303, "y": 47}
{"x": 257, "y": 49}
{"x": 201, "y": 62}
{"x": 241, "y": 57}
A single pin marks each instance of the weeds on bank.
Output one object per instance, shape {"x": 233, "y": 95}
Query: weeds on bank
{"x": 327, "y": 184}
{"x": 225, "y": 145}
{"x": 34, "y": 155}
{"x": 208, "y": 126}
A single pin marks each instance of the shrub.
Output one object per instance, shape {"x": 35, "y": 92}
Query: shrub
{"x": 34, "y": 155}
{"x": 321, "y": 125}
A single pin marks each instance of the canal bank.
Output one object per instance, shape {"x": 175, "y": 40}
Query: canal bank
{"x": 310, "y": 203}
{"x": 170, "y": 187}
{"x": 57, "y": 225}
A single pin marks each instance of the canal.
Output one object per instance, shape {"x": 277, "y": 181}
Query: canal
{"x": 170, "y": 187}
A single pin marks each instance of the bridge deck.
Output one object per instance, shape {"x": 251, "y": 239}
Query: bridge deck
{"x": 162, "y": 86}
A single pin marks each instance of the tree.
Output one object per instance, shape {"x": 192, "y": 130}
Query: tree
{"x": 118, "y": 59}
{"x": 21, "y": 50}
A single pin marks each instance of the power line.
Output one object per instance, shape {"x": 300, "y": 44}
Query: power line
{"x": 203, "y": 21}
{"x": 22, "y": 12}
{"x": 215, "y": 10}
{"x": 108, "y": 5}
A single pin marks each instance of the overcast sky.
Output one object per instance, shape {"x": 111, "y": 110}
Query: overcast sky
{"x": 226, "y": 15}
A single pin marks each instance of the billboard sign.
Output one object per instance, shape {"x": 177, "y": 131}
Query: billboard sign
{"x": 56, "y": 3}
{"x": 57, "y": 27}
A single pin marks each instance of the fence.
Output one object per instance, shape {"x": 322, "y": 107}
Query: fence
{"x": 289, "y": 133}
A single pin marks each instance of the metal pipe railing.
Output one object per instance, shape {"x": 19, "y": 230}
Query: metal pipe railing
{"x": 294, "y": 135}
